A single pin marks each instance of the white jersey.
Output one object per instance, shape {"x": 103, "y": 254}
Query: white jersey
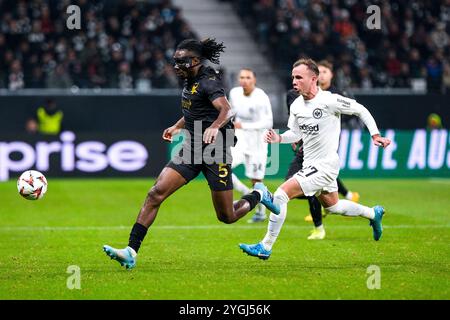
{"x": 254, "y": 112}
{"x": 318, "y": 123}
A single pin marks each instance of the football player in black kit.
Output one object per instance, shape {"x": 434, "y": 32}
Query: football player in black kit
{"x": 315, "y": 208}
{"x": 206, "y": 148}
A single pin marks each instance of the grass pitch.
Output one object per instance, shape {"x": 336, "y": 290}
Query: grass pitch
{"x": 188, "y": 254}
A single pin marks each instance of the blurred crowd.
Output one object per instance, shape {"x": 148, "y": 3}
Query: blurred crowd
{"x": 129, "y": 43}
{"x": 412, "y": 43}
{"x": 122, "y": 44}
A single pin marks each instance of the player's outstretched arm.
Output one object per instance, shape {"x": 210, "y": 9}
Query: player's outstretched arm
{"x": 371, "y": 125}
{"x": 352, "y": 107}
{"x": 225, "y": 115}
{"x": 287, "y": 137}
{"x": 173, "y": 130}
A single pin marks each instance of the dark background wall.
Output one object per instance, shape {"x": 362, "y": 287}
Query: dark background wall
{"x": 154, "y": 113}
{"x": 96, "y": 113}
{"x": 406, "y": 111}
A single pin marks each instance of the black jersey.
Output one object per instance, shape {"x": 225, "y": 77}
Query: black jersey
{"x": 196, "y": 99}
{"x": 290, "y": 98}
{"x": 199, "y": 113}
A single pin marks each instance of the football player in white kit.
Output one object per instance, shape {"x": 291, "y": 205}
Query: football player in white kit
{"x": 253, "y": 116}
{"x": 315, "y": 119}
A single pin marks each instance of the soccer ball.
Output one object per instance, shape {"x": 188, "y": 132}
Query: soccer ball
{"x": 32, "y": 185}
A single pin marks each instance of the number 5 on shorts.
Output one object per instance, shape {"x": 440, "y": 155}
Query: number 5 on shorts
{"x": 223, "y": 171}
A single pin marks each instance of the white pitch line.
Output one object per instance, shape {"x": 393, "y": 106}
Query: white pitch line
{"x": 181, "y": 227}
{"x": 439, "y": 180}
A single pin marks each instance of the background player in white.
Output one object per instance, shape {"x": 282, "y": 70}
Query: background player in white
{"x": 350, "y": 122}
{"x": 253, "y": 116}
{"x": 315, "y": 119}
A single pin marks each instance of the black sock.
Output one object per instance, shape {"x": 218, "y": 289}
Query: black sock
{"x": 253, "y": 198}
{"x": 341, "y": 188}
{"x": 137, "y": 235}
{"x": 316, "y": 210}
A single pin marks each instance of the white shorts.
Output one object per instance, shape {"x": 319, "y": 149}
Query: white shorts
{"x": 315, "y": 179}
{"x": 255, "y": 165}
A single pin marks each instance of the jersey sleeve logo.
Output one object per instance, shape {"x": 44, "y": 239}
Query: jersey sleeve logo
{"x": 317, "y": 113}
{"x": 194, "y": 88}
{"x": 344, "y": 103}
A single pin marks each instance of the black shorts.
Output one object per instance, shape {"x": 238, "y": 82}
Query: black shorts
{"x": 296, "y": 165}
{"x": 218, "y": 175}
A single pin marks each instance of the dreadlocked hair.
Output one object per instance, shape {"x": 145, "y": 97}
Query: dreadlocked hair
{"x": 208, "y": 49}
{"x": 212, "y": 50}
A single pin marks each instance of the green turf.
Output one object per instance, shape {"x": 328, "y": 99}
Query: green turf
{"x": 188, "y": 254}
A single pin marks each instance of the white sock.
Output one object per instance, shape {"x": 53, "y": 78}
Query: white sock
{"x": 351, "y": 209}
{"x": 239, "y": 186}
{"x": 320, "y": 228}
{"x": 276, "y": 221}
{"x": 260, "y": 210}
{"x": 349, "y": 195}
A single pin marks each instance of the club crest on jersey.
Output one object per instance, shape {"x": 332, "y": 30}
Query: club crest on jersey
{"x": 194, "y": 88}
{"x": 317, "y": 113}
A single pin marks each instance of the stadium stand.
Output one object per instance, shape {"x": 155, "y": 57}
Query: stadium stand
{"x": 413, "y": 42}
{"x": 128, "y": 44}
{"x": 122, "y": 44}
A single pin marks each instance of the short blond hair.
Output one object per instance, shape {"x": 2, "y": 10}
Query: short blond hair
{"x": 309, "y": 63}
